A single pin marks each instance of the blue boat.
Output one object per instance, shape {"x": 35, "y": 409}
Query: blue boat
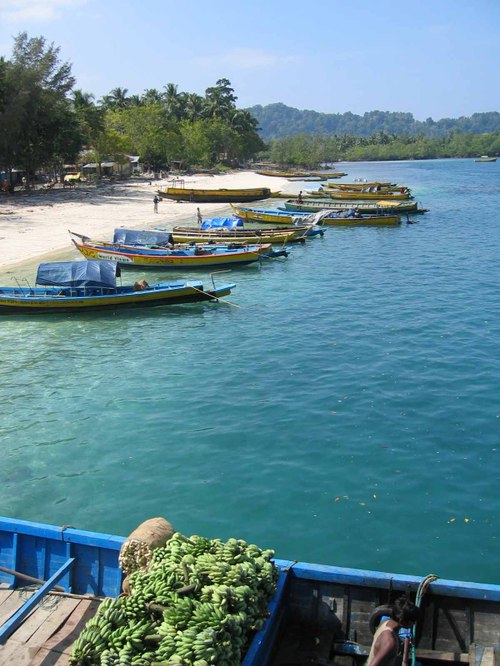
{"x": 318, "y": 615}
{"x": 76, "y": 286}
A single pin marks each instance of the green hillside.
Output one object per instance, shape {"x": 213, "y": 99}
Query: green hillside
{"x": 278, "y": 120}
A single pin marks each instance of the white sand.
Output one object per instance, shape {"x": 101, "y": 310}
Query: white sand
{"x": 34, "y": 225}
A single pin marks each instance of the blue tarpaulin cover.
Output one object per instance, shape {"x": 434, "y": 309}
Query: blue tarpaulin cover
{"x": 222, "y": 223}
{"x": 91, "y": 273}
{"x": 137, "y": 237}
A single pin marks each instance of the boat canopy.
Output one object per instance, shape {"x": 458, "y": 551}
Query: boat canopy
{"x": 138, "y": 237}
{"x": 222, "y": 223}
{"x": 91, "y": 273}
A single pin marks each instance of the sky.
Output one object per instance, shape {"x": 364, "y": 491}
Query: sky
{"x": 432, "y": 58}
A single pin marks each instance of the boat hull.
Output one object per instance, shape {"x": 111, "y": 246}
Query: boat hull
{"x": 282, "y": 217}
{"x": 155, "y": 297}
{"x": 186, "y": 235}
{"x": 165, "y": 260}
{"x": 321, "y": 614}
{"x": 363, "y": 206}
{"x": 215, "y": 196}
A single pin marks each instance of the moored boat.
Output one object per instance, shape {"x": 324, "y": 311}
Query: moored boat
{"x": 485, "y": 158}
{"x": 233, "y": 230}
{"x": 362, "y": 195}
{"x": 363, "y": 206}
{"x": 195, "y": 256}
{"x": 329, "y": 218}
{"x": 319, "y": 614}
{"x": 383, "y": 185}
{"x": 76, "y": 286}
{"x": 221, "y": 195}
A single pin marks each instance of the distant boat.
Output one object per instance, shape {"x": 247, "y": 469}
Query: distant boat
{"x": 84, "y": 286}
{"x": 221, "y": 195}
{"x": 231, "y": 229}
{"x": 311, "y": 205}
{"x": 485, "y": 158}
{"x": 328, "y": 218}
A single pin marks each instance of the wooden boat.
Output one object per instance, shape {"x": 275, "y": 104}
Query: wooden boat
{"x": 319, "y": 614}
{"x": 248, "y": 236}
{"x": 364, "y": 186}
{"x": 83, "y": 286}
{"x": 326, "y": 615}
{"x": 485, "y": 158}
{"x": 195, "y": 256}
{"x": 221, "y": 195}
{"x": 360, "y": 195}
{"x": 376, "y": 207}
{"x": 222, "y": 230}
{"x": 332, "y": 218}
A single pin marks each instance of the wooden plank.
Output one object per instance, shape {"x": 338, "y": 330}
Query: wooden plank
{"x": 11, "y": 605}
{"x": 4, "y": 595}
{"x": 484, "y": 655}
{"x": 15, "y": 620}
{"x": 43, "y": 622}
{"x": 46, "y": 657}
{"x": 15, "y": 654}
{"x": 63, "y": 639}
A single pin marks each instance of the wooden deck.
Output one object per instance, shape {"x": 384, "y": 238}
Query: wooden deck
{"x": 47, "y": 634}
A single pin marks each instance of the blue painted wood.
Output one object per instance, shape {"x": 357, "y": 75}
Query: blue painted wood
{"x": 39, "y": 550}
{"x": 378, "y": 579}
{"x": 260, "y": 649}
{"x": 14, "y": 622}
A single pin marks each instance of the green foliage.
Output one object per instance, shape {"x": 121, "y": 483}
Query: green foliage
{"x": 279, "y": 120}
{"x": 313, "y": 149}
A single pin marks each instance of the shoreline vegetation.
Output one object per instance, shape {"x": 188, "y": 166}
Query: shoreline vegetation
{"x": 55, "y": 134}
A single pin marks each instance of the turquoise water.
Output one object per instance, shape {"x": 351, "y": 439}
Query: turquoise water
{"x": 347, "y": 412}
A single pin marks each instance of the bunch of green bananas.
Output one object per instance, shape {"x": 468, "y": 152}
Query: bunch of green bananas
{"x": 197, "y": 603}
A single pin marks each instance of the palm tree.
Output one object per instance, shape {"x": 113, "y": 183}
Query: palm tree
{"x": 171, "y": 98}
{"x": 117, "y": 99}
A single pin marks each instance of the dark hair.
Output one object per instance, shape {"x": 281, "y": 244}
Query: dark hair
{"x": 404, "y": 612}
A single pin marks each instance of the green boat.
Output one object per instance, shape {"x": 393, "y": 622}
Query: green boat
{"x": 376, "y": 207}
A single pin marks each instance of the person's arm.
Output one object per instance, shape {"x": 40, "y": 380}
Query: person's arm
{"x": 385, "y": 649}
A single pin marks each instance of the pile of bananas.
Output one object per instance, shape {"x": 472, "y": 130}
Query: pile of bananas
{"x": 198, "y": 603}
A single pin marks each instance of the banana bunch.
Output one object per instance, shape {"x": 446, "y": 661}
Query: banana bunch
{"x": 193, "y": 602}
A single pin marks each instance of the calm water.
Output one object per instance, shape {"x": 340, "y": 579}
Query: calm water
{"x": 347, "y": 413}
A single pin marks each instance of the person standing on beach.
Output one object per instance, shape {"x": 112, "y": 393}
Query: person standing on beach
{"x": 198, "y": 217}
{"x": 155, "y": 202}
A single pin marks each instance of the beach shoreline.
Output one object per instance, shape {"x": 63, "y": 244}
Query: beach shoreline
{"x": 34, "y": 225}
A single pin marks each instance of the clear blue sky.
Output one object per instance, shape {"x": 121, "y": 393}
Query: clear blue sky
{"x": 437, "y": 58}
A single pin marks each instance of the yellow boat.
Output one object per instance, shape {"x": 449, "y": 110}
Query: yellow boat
{"x": 369, "y": 196}
{"x": 485, "y": 158}
{"x": 186, "y": 257}
{"x": 246, "y": 236}
{"x": 365, "y": 186}
{"x": 221, "y": 195}
{"x": 334, "y": 218}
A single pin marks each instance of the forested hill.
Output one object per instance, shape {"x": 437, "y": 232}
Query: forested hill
{"x": 279, "y": 120}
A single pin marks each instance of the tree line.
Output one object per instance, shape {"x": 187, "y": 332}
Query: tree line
{"x": 279, "y": 120}
{"x": 45, "y": 122}
{"x": 307, "y": 149}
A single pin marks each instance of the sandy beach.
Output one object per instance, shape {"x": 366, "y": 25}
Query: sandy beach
{"x": 34, "y": 225}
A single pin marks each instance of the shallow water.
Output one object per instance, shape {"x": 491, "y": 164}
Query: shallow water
{"x": 346, "y": 413}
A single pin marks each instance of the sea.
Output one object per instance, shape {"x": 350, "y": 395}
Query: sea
{"x": 341, "y": 406}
